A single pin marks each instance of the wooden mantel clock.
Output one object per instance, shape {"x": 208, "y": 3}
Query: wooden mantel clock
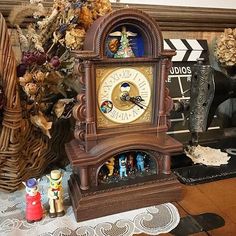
{"x": 121, "y": 153}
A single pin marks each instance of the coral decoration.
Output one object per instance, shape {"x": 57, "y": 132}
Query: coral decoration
{"x": 46, "y": 69}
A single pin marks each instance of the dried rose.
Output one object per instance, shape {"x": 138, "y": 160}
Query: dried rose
{"x": 39, "y": 76}
{"x": 40, "y": 57}
{"x": 30, "y": 88}
{"x": 26, "y": 78}
{"x": 21, "y": 69}
{"x": 55, "y": 62}
{"x": 28, "y": 58}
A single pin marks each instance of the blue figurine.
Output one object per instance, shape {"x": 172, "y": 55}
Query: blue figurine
{"x": 140, "y": 161}
{"x": 122, "y": 165}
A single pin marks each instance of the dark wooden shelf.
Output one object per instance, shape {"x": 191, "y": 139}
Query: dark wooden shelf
{"x": 170, "y": 18}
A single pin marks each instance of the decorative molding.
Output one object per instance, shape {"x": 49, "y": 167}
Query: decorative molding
{"x": 169, "y": 18}
{"x": 173, "y": 18}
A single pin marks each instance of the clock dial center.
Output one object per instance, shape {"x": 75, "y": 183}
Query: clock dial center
{"x": 121, "y": 98}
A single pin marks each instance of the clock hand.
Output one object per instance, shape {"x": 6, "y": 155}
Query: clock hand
{"x": 125, "y": 97}
{"x": 136, "y": 100}
{"x": 139, "y": 105}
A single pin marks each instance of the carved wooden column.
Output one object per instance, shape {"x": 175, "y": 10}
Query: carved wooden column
{"x": 84, "y": 178}
{"x": 166, "y": 162}
{"x": 90, "y": 115}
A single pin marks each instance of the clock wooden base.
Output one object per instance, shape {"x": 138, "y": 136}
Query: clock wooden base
{"x": 94, "y": 203}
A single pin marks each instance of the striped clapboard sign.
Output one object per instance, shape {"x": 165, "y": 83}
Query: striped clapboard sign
{"x": 187, "y": 49}
{"x": 179, "y": 79}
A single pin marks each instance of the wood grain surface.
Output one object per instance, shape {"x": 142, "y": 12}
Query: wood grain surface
{"x": 170, "y": 18}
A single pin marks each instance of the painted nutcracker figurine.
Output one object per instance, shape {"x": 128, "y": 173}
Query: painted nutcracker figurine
{"x": 55, "y": 194}
{"x": 34, "y": 210}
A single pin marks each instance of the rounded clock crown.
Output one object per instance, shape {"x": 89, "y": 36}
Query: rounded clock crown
{"x": 124, "y": 18}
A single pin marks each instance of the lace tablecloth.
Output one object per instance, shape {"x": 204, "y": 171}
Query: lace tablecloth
{"x": 151, "y": 220}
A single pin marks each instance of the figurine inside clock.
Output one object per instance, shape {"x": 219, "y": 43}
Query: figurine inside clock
{"x": 125, "y": 166}
{"x": 124, "y": 42}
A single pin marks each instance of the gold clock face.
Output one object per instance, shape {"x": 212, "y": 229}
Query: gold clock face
{"x": 124, "y": 95}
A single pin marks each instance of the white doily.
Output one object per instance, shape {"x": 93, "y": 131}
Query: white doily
{"x": 207, "y": 156}
{"x": 152, "y": 220}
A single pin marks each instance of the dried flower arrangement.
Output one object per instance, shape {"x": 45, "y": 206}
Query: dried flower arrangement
{"x": 48, "y": 88}
{"x": 226, "y": 48}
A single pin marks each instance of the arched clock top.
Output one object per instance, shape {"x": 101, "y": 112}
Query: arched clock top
{"x": 126, "y": 26}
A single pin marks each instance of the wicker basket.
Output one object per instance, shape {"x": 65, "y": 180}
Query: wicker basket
{"x": 24, "y": 151}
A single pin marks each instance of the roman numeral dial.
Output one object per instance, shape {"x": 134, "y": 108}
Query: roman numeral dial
{"x": 124, "y": 95}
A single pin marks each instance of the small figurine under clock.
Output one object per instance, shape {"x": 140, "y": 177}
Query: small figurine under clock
{"x": 55, "y": 194}
{"x": 122, "y": 165}
{"x": 34, "y": 209}
{"x": 140, "y": 162}
{"x": 110, "y": 164}
{"x": 130, "y": 163}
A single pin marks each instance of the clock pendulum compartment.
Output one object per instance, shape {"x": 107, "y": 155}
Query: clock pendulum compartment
{"x": 121, "y": 154}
